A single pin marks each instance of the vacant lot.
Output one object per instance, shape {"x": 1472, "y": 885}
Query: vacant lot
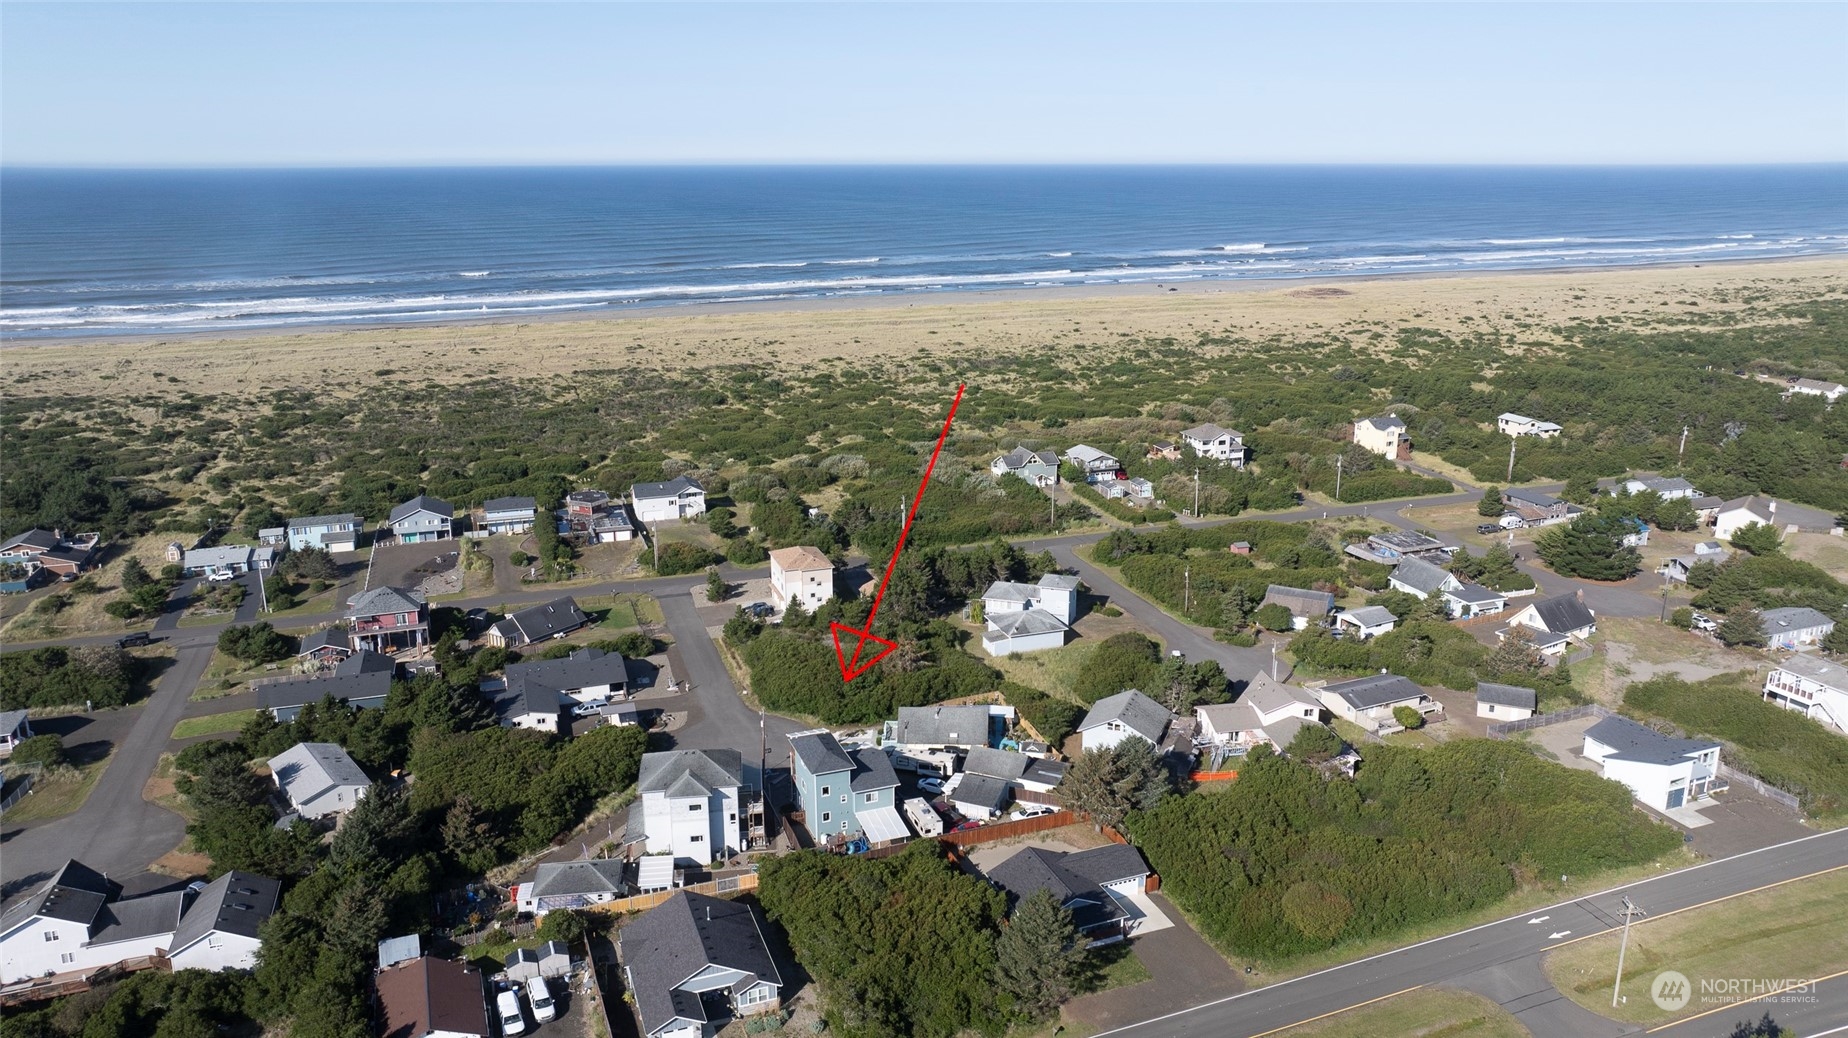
{"x": 213, "y": 724}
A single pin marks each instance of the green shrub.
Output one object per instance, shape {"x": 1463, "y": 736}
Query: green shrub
{"x": 46, "y": 751}
{"x": 681, "y": 557}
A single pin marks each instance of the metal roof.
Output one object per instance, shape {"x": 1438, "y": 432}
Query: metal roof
{"x": 882, "y": 824}
{"x": 393, "y": 950}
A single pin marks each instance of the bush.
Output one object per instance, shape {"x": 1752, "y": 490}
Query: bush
{"x": 256, "y": 643}
{"x": 1127, "y": 660}
{"x": 681, "y": 557}
{"x": 102, "y": 676}
{"x": 46, "y": 751}
{"x": 1589, "y": 547}
{"x": 1682, "y": 618}
{"x": 633, "y": 644}
{"x": 1407, "y": 717}
{"x": 742, "y": 551}
{"x": 1242, "y": 639}
{"x": 1273, "y": 617}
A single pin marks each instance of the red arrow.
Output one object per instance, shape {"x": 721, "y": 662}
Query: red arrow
{"x": 853, "y": 666}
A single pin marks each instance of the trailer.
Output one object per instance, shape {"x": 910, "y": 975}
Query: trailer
{"x": 941, "y": 763}
{"x": 923, "y": 817}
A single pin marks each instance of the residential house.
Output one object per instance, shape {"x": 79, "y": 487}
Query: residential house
{"x": 1028, "y": 617}
{"x": 76, "y": 921}
{"x": 572, "y": 884}
{"x": 1211, "y": 441}
{"x": 1019, "y": 770}
{"x": 509, "y": 514}
{"x": 1812, "y": 686}
{"x": 324, "y": 647}
{"x": 51, "y": 551}
{"x": 539, "y": 623}
{"x": 1471, "y": 600}
{"x": 845, "y": 793}
{"x": 361, "y": 680}
{"x": 227, "y": 558}
{"x": 1040, "y": 468}
{"x": 388, "y": 619}
{"x": 393, "y": 950}
{"x": 1163, "y": 451}
{"x": 1676, "y": 567}
{"x": 1095, "y": 464}
{"x": 582, "y": 504}
{"x": 422, "y": 518}
{"x": 432, "y": 998}
{"x": 551, "y": 959}
{"x": 1367, "y": 621}
{"x": 1830, "y": 391}
{"x": 1707, "y": 508}
{"x": 1268, "y": 711}
{"x": 1370, "y": 701}
{"x": 15, "y": 728}
{"x": 1395, "y": 546}
{"x": 1505, "y": 702}
{"x": 272, "y": 537}
{"x": 800, "y": 574}
{"x": 1097, "y": 886}
{"x": 1635, "y": 532}
{"x": 980, "y": 797}
{"x": 1306, "y": 607}
{"x": 1662, "y": 771}
{"x": 535, "y": 694}
{"x": 1422, "y": 578}
{"x": 318, "y": 779}
{"x": 1554, "y": 622}
{"x": 689, "y": 804}
{"x": 1668, "y": 488}
{"x": 1385, "y": 436}
{"x": 1126, "y": 715}
{"x": 678, "y": 498}
{"x": 921, "y": 729}
{"x": 333, "y": 532}
{"x": 1511, "y": 424}
{"x": 590, "y": 516}
{"x": 1535, "y": 508}
{"x": 1793, "y": 627}
{"x": 693, "y": 961}
{"x": 620, "y": 715}
{"x": 1741, "y": 512}
{"x": 1133, "y": 489}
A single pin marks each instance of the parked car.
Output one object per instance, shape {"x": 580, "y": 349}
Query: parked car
{"x": 930, "y": 784}
{"x": 1488, "y": 528}
{"x": 760, "y": 610}
{"x": 1032, "y": 811}
{"x": 966, "y": 826}
{"x": 131, "y": 640}
{"x": 507, "y": 1008}
{"x": 1703, "y": 622}
{"x": 537, "y": 993}
{"x": 219, "y": 576}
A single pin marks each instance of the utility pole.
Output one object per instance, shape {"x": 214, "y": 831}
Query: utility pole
{"x": 1186, "y": 590}
{"x": 1683, "y": 449}
{"x": 1513, "y": 441}
{"x": 1273, "y": 661}
{"x": 1664, "y": 598}
{"x": 1196, "y": 491}
{"x": 1628, "y": 911}
{"x": 1338, "y": 460}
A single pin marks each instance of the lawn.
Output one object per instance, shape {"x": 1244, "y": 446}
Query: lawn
{"x": 1117, "y": 967}
{"x": 224, "y": 675}
{"x": 1054, "y": 671}
{"x": 1793, "y": 929}
{"x": 213, "y": 724}
{"x": 57, "y": 793}
{"x": 1426, "y": 1011}
{"x": 624, "y": 612}
{"x": 1819, "y": 549}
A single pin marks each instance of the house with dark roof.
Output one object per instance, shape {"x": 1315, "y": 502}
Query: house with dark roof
{"x": 573, "y": 884}
{"x": 362, "y": 680}
{"x": 432, "y": 998}
{"x": 536, "y": 693}
{"x": 1094, "y": 885}
{"x": 318, "y": 779}
{"x": 553, "y": 619}
{"x": 51, "y": 551}
{"x": 1218, "y": 443}
{"x": 509, "y": 514}
{"x": 387, "y": 619}
{"x": 1735, "y": 515}
{"x": 922, "y": 728}
{"x": 1040, "y": 468}
{"x": 1468, "y": 600}
{"x": 1422, "y": 578}
{"x": 1370, "y": 701}
{"x": 978, "y": 796}
{"x": 1553, "y": 623}
{"x": 1306, "y": 606}
{"x": 678, "y": 498}
{"x": 1127, "y": 715}
{"x": 422, "y": 518}
{"x": 1536, "y": 508}
{"x": 1499, "y": 702}
{"x": 845, "y": 793}
{"x": 1020, "y": 770}
{"x": 1662, "y": 771}
{"x": 219, "y": 930}
{"x": 226, "y": 558}
{"x": 15, "y": 728}
{"x": 1793, "y": 627}
{"x": 1385, "y": 436}
{"x": 693, "y": 962}
{"x": 325, "y": 647}
{"x": 689, "y": 804}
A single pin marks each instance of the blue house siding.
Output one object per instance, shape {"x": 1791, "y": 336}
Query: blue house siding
{"x": 837, "y": 805}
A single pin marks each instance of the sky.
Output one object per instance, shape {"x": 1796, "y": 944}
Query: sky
{"x": 531, "y": 84}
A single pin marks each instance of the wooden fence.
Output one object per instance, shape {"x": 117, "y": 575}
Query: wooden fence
{"x": 1759, "y": 786}
{"x": 1507, "y": 728}
{"x": 1213, "y": 776}
{"x": 24, "y": 787}
{"x": 1007, "y": 830}
{"x": 642, "y": 902}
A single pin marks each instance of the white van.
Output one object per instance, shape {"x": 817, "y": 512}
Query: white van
{"x": 541, "y": 998}
{"x": 507, "y": 1007}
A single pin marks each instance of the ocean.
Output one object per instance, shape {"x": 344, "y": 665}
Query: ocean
{"x": 90, "y": 252}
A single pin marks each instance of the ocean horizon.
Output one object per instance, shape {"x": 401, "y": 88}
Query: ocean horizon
{"x": 92, "y": 252}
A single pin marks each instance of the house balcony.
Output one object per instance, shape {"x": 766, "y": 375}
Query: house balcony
{"x": 1790, "y": 690}
{"x": 377, "y": 627}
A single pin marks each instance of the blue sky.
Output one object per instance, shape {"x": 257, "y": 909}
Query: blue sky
{"x": 338, "y": 84}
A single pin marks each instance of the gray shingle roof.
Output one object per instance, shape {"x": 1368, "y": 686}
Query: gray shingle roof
{"x": 351, "y": 688}
{"x": 1793, "y": 618}
{"x": 423, "y": 503}
{"x": 1633, "y": 742}
{"x": 672, "y": 488}
{"x": 381, "y": 600}
{"x": 1024, "y": 623}
{"x": 10, "y": 720}
{"x": 1475, "y": 594}
{"x": 75, "y": 893}
{"x": 1668, "y": 485}
{"x": 559, "y": 616}
{"x": 1815, "y": 668}
{"x": 588, "y": 876}
{"x": 1141, "y": 714}
{"x": 136, "y": 917}
{"x": 1534, "y": 498}
{"x": 944, "y": 726}
{"x": 1506, "y": 695}
{"x": 1011, "y": 591}
{"x": 1417, "y": 573}
{"x": 1070, "y": 876}
{"x": 1757, "y": 506}
{"x": 1300, "y": 601}
{"x": 325, "y": 638}
{"x": 310, "y": 521}
{"x": 1564, "y": 613}
{"x": 713, "y": 768}
{"x": 667, "y": 945}
{"x": 235, "y": 903}
{"x": 308, "y": 769}
{"x": 820, "y": 752}
{"x": 984, "y": 791}
{"x": 510, "y": 504}
{"x": 873, "y": 771}
{"x": 1371, "y": 616}
{"x": 1374, "y": 690}
{"x": 365, "y": 661}
{"x": 585, "y": 668}
{"x": 1001, "y": 764}
{"x": 1269, "y": 695}
{"x": 1209, "y": 432}
{"x": 33, "y": 538}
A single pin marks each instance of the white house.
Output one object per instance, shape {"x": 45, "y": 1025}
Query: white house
{"x": 1504, "y": 702}
{"x": 1553, "y": 622}
{"x": 1668, "y": 488}
{"x": 318, "y": 779}
{"x": 571, "y": 885}
{"x": 1370, "y": 701}
{"x": 226, "y": 558}
{"x": 1741, "y": 512}
{"x": 689, "y": 804}
{"x": 1384, "y": 436}
{"x": 1098, "y": 887}
{"x": 1028, "y": 617}
{"x": 422, "y": 518}
{"x": 1095, "y": 464}
{"x": 1830, "y": 391}
{"x": 219, "y": 930}
{"x": 1468, "y": 600}
{"x": 800, "y": 574}
{"x": 691, "y": 952}
{"x": 678, "y": 498}
{"x": 1306, "y": 606}
{"x": 1212, "y": 441}
{"x": 1040, "y": 468}
{"x": 1126, "y": 715}
{"x": 1512, "y": 424}
{"x": 509, "y": 514}
{"x": 1367, "y": 621}
{"x": 333, "y": 532}
{"x": 1268, "y": 711}
{"x": 1812, "y": 686}
{"x": 1794, "y": 627}
{"x": 1422, "y": 578}
{"x": 1662, "y": 771}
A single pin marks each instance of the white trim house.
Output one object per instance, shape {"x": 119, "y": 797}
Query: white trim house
{"x": 1812, "y": 686}
{"x": 1662, "y": 771}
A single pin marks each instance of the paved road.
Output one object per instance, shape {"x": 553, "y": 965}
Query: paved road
{"x": 1501, "y": 959}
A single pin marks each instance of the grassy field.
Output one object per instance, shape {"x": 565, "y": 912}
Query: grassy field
{"x": 1783, "y": 931}
{"x": 26, "y": 619}
{"x": 57, "y": 793}
{"x": 213, "y": 724}
{"x": 1830, "y": 553}
{"x": 1054, "y": 671}
{"x": 1426, "y": 1012}
{"x": 623, "y": 612}
{"x": 224, "y": 675}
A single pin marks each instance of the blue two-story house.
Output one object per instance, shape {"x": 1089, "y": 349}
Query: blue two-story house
{"x": 845, "y": 794}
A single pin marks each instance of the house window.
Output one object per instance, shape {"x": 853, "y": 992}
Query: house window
{"x": 825, "y": 817}
{"x": 872, "y": 798}
{"x": 824, "y": 791}
{"x": 67, "y": 958}
{"x": 758, "y": 993}
{"x": 693, "y": 807}
{"x": 1491, "y": 708}
{"x": 404, "y": 618}
{"x": 51, "y": 935}
{"x": 213, "y": 942}
{"x": 696, "y": 839}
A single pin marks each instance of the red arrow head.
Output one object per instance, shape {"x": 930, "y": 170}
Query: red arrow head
{"x": 852, "y": 664}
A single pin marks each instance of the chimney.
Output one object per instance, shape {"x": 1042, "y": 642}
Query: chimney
{"x": 1771, "y": 506}
{"x": 1579, "y": 593}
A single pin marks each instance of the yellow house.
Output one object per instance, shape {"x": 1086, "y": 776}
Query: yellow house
{"x": 1384, "y": 436}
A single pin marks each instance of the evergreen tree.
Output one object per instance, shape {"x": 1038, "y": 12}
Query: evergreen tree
{"x": 1836, "y": 644}
{"x": 1490, "y": 507}
{"x": 135, "y": 576}
{"x": 1273, "y": 617}
{"x": 716, "y": 588}
{"x": 1109, "y": 783}
{"x": 1677, "y": 514}
{"x": 1581, "y": 488}
{"x": 1742, "y": 627}
{"x": 1590, "y": 547}
{"x": 1758, "y": 538}
{"x": 1039, "y": 956}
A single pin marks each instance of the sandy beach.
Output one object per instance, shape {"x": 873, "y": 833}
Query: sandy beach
{"x": 798, "y": 334}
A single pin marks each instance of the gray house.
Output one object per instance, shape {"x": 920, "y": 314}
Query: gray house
{"x": 693, "y": 961}
{"x": 422, "y": 518}
{"x": 553, "y": 619}
{"x": 845, "y": 794}
{"x": 1040, "y": 468}
{"x": 1128, "y": 714}
{"x": 1305, "y": 606}
{"x": 551, "y": 959}
{"x": 509, "y": 514}
{"x": 1095, "y": 885}
{"x": 361, "y": 680}
{"x": 333, "y": 532}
